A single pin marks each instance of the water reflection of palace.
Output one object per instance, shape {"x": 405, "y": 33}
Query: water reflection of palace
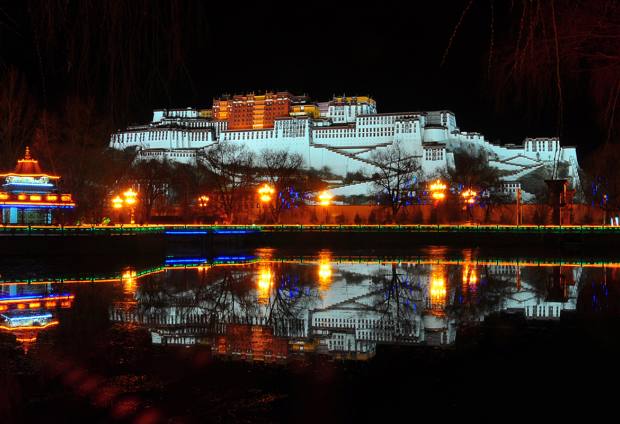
{"x": 271, "y": 309}
{"x": 26, "y": 310}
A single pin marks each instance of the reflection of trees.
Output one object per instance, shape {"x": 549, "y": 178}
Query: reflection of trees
{"x": 228, "y": 295}
{"x": 472, "y": 302}
{"x": 398, "y": 296}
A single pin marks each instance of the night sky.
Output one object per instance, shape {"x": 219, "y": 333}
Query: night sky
{"x": 387, "y": 50}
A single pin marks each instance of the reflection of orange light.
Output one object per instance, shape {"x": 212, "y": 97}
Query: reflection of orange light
{"x": 3, "y": 308}
{"x": 35, "y": 197}
{"x": 470, "y": 276}
{"x": 29, "y": 327}
{"x": 65, "y": 304}
{"x": 21, "y": 306}
{"x": 65, "y": 197}
{"x": 50, "y": 304}
{"x": 437, "y": 289}
{"x": 51, "y": 197}
{"x": 4, "y": 196}
{"x": 129, "y": 281}
{"x": 26, "y": 339}
{"x": 325, "y": 272}
{"x": 264, "y": 285}
{"x": 21, "y": 197}
{"x": 34, "y": 305}
{"x": 438, "y": 186}
{"x": 439, "y": 196}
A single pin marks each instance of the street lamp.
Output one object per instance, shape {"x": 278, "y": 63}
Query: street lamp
{"x": 438, "y": 190}
{"x": 265, "y": 192}
{"x": 130, "y": 198}
{"x": 203, "y": 201}
{"x": 469, "y": 196}
{"x": 325, "y": 198}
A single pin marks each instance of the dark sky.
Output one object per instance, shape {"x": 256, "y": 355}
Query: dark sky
{"x": 390, "y": 51}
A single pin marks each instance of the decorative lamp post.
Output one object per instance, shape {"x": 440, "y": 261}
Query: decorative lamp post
{"x": 469, "y": 196}
{"x": 130, "y": 198}
{"x": 203, "y": 201}
{"x": 438, "y": 190}
{"x": 265, "y": 193}
{"x": 325, "y": 198}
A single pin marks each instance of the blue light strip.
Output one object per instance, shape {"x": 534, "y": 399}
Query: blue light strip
{"x": 186, "y": 232}
{"x": 234, "y": 231}
{"x": 233, "y": 258}
{"x": 30, "y": 184}
{"x": 27, "y": 317}
{"x": 186, "y": 261}
{"x": 22, "y": 297}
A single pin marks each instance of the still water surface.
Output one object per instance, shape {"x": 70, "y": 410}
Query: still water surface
{"x": 234, "y": 337}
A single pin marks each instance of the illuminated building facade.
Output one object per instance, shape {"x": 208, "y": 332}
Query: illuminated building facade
{"x": 252, "y": 111}
{"x": 341, "y": 134}
{"x": 28, "y": 195}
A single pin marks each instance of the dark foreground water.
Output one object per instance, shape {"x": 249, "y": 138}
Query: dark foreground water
{"x": 271, "y": 336}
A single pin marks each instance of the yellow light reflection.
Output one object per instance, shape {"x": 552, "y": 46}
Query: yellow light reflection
{"x": 470, "y": 275}
{"x": 129, "y": 281}
{"x": 264, "y": 283}
{"x": 437, "y": 289}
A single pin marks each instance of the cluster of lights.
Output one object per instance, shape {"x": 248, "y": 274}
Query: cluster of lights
{"x": 130, "y": 198}
{"x": 35, "y": 302}
{"x": 203, "y": 201}
{"x": 469, "y": 196}
{"x": 43, "y": 199}
{"x": 438, "y": 189}
{"x": 325, "y": 198}
{"x": 266, "y": 192}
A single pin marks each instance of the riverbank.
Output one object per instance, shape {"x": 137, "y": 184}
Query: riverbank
{"x": 156, "y": 239}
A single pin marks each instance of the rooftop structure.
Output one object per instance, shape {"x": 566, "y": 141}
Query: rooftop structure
{"x": 29, "y": 195}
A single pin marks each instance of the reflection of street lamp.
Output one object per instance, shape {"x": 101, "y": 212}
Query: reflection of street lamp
{"x": 264, "y": 283}
{"x": 130, "y": 198}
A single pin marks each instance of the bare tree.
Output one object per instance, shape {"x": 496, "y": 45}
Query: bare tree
{"x": 153, "y": 178}
{"x": 284, "y": 171}
{"x": 396, "y": 177}
{"x": 473, "y": 171}
{"x": 231, "y": 172}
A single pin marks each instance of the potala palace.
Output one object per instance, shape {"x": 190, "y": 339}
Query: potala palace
{"x": 340, "y": 134}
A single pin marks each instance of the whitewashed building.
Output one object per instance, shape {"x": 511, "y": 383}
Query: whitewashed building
{"x": 343, "y": 138}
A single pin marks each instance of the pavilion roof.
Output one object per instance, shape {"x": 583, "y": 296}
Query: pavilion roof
{"x": 28, "y": 167}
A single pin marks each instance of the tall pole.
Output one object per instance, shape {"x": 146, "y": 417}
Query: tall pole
{"x": 519, "y": 206}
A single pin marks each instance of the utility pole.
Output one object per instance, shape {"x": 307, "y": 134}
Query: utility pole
{"x": 519, "y": 219}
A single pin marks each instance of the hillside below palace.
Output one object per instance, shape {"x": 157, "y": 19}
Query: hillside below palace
{"x": 340, "y": 134}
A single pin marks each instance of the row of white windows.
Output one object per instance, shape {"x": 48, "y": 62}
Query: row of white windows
{"x": 433, "y": 155}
